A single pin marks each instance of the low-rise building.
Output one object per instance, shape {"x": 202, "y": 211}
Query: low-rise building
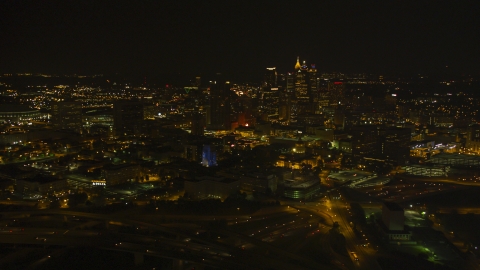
{"x": 211, "y": 187}
{"x": 41, "y": 184}
{"x": 253, "y": 181}
{"x": 392, "y": 226}
{"x": 429, "y": 170}
{"x": 458, "y": 160}
{"x": 301, "y": 190}
{"x": 119, "y": 174}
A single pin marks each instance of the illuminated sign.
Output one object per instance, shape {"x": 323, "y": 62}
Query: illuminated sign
{"x": 338, "y": 83}
{"x": 98, "y": 182}
{"x": 274, "y": 88}
{"x": 394, "y": 95}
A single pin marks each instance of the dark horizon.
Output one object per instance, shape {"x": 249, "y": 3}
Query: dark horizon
{"x": 144, "y": 37}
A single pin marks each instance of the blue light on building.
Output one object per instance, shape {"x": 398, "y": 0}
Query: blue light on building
{"x": 209, "y": 156}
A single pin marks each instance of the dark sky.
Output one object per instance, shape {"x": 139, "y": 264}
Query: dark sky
{"x": 88, "y": 37}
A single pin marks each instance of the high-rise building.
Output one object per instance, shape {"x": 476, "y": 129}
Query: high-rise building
{"x": 390, "y": 144}
{"x": 304, "y": 84}
{"x": 365, "y": 141}
{"x": 198, "y": 124}
{"x": 219, "y": 111}
{"x": 127, "y": 118}
{"x": 472, "y": 142}
{"x": 305, "y": 81}
{"x": 313, "y": 83}
{"x": 395, "y": 145}
{"x": 67, "y": 115}
{"x": 336, "y": 90}
{"x": 290, "y": 83}
{"x": 270, "y": 92}
{"x": 270, "y": 78}
{"x": 198, "y": 81}
{"x": 301, "y": 81}
{"x": 193, "y": 152}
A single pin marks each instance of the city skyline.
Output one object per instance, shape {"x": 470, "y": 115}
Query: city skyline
{"x": 239, "y": 135}
{"x": 238, "y": 37}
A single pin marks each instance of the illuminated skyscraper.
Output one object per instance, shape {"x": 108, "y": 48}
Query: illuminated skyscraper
{"x": 303, "y": 83}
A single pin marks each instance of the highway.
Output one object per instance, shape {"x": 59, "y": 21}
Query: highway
{"x": 336, "y": 211}
{"x": 137, "y": 244}
{"x": 200, "y": 250}
{"x": 366, "y": 255}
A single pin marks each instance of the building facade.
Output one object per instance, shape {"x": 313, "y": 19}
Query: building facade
{"x": 67, "y": 115}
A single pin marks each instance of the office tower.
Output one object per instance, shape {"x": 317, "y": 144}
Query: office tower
{"x": 198, "y": 124}
{"x": 305, "y": 84}
{"x": 150, "y": 111}
{"x": 390, "y": 144}
{"x": 290, "y": 83}
{"x": 396, "y": 145}
{"x": 301, "y": 81}
{"x": 193, "y": 152}
{"x": 284, "y": 104}
{"x": 270, "y": 92}
{"x": 270, "y": 78}
{"x": 219, "y": 111}
{"x": 305, "y": 81}
{"x": 472, "y": 142}
{"x": 313, "y": 81}
{"x": 127, "y": 118}
{"x": 365, "y": 141}
{"x": 336, "y": 91}
{"x": 198, "y": 81}
{"x": 67, "y": 115}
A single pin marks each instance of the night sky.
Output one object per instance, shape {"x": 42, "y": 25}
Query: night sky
{"x": 88, "y": 37}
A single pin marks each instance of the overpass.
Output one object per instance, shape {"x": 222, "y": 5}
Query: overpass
{"x": 138, "y": 245}
{"x": 198, "y": 250}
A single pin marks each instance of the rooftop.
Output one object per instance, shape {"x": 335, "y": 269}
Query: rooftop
{"x": 15, "y": 108}
{"x": 393, "y": 206}
{"x": 225, "y": 180}
{"x": 301, "y": 184}
{"x": 455, "y": 156}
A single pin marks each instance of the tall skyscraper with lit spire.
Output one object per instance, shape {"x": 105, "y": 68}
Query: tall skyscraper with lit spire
{"x": 302, "y": 83}
{"x": 297, "y": 65}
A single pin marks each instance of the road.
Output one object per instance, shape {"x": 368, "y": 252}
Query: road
{"x": 132, "y": 243}
{"x": 336, "y": 211}
{"x": 366, "y": 255}
{"x": 205, "y": 251}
